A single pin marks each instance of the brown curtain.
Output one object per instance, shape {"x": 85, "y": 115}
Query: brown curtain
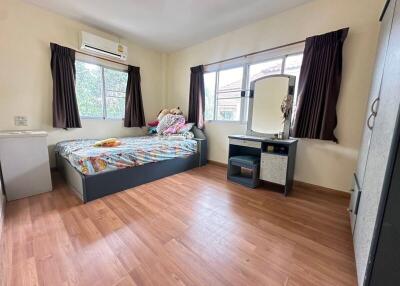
{"x": 197, "y": 96}
{"x": 319, "y": 86}
{"x": 65, "y": 107}
{"x": 134, "y": 114}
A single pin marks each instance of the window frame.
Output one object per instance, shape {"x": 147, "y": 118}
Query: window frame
{"x": 226, "y": 91}
{"x": 103, "y": 88}
{"x": 245, "y": 63}
{"x": 216, "y": 92}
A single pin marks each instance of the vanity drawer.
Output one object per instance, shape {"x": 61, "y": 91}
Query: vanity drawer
{"x": 247, "y": 143}
{"x": 273, "y": 168}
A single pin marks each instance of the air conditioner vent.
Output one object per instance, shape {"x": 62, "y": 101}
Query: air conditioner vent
{"x": 97, "y": 45}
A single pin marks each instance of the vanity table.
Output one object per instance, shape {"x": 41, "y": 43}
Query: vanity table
{"x": 277, "y": 157}
{"x": 259, "y": 151}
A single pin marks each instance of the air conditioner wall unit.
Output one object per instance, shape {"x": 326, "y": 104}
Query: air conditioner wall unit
{"x": 100, "y": 46}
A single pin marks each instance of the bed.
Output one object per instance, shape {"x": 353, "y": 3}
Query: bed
{"x": 94, "y": 172}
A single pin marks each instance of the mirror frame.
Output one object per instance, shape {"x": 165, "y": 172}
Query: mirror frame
{"x": 290, "y": 94}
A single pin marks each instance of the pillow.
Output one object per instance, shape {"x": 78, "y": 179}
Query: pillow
{"x": 170, "y": 122}
{"x": 172, "y": 130}
{"x": 153, "y": 123}
{"x": 188, "y": 135}
{"x": 185, "y": 128}
{"x": 152, "y": 130}
{"x": 198, "y": 133}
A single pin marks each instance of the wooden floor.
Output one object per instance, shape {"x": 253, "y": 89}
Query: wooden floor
{"x": 194, "y": 228}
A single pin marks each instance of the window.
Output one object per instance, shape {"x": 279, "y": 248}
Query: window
{"x": 100, "y": 91}
{"x": 223, "y": 87}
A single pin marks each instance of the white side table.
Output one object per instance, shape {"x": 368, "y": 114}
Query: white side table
{"x": 24, "y": 163}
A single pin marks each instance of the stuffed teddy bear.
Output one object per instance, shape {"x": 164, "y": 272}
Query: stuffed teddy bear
{"x": 162, "y": 113}
{"x": 174, "y": 111}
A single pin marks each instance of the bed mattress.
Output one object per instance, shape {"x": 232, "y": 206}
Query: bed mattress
{"x": 133, "y": 151}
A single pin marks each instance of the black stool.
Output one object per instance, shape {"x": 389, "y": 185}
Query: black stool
{"x": 249, "y": 162}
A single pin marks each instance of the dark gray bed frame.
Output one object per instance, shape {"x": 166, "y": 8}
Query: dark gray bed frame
{"x": 91, "y": 187}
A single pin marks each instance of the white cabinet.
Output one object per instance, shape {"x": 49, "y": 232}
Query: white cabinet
{"x": 383, "y": 44}
{"x": 273, "y": 168}
{"x": 24, "y": 163}
{"x": 383, "y": 112}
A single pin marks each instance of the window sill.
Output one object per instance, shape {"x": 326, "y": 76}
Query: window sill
{"x": 101, "y": 118}
{"x": 238, "y": 122}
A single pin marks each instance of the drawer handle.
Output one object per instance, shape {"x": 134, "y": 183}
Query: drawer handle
{"x": 370, "y": 122}
{"x": 375, "y": 106}
{"x": 374, "y": 112}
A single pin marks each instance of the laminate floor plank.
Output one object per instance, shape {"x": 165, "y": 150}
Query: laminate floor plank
{"x": 193, "y": 228}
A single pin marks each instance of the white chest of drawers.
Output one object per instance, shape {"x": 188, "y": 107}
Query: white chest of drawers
{"x": 24, "y": 163}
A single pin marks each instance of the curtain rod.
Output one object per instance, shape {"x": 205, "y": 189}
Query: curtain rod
{"x": 255, "y": 53}
{"x": 98, "y": 57}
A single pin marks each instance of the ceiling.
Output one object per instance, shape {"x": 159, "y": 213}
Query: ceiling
{"x": 167, "y": 25}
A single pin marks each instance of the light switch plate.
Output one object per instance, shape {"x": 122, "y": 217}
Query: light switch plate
{"x": 20, "y": 120}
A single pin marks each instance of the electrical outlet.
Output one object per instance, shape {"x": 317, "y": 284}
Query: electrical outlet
{"x": 20, "y": 120}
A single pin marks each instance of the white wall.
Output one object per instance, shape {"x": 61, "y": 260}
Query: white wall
{"x": 322, "y": 163}
{"x": 25, "y": 78}
{"x": 26, "y": 84}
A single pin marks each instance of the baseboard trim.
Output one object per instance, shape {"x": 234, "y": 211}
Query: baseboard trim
{"x": 217, "y": 163}
{"x": 299, "y": 184}
{"x": 313, "y": 187}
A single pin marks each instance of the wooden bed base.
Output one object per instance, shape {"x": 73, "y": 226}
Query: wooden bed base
{"x": 91, "y": 187}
